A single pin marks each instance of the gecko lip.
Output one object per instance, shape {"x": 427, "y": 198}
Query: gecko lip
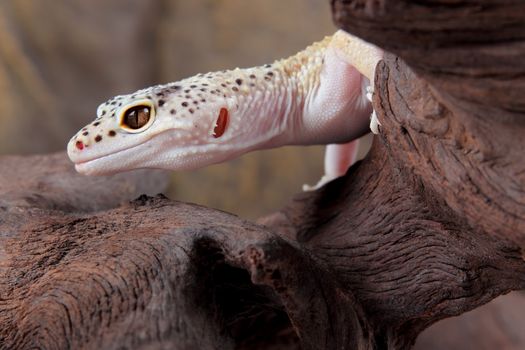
{"x": 85, "y": 164}
{"x": 82, "y": 159}
{"x": 125, "y": 158}
{"x": 90, "y": 166}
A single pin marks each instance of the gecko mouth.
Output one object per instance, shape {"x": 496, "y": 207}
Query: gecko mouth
{"x": 142, "y": 155}
{"x": 108, "y": 164}
{"x": 125, "y": 158}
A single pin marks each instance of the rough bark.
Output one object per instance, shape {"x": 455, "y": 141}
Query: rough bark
{"x": 430, "y": 225}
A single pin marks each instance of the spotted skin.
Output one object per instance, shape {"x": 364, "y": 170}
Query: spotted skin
{"x": 317, "y": 96}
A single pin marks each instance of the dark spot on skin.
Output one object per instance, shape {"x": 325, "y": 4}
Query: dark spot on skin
{"x": 84, "y": 129}
{"x": 205, "y": 84}
{"x": 203, "y": 89}
{"x": 270, "y": 74}
{"x": 98, "y": 138}
{"x": 267, "y": 78}
{"x": 112, "y": 133}
{"x": 85, "y": 133}
{"x": 223, "y": 85}
{"x": 188, "y": 96}
{"x": 252, "y": 84}
{"x": 161, "y": 103}
{"x": 79, "y": 145}
{"x": 238, "y": 81}
{"x": 203, "y": 100}
{"x": 187, "y": 90}
{"x": 235, "y": 88}
{"x": 176, "y": 87}
{"x": 191, "y": 110}
{"x": 103, "y": 113}
{"x": 159, "y": 94}
{"x": 96, "y": 123}
{"x": 217, "y": 90}
{"x": 193, "y": 86}
{"x": 267, "y": 66}
{"x": 120, "y": 104}
{"x": 184, "y": 104}
{"x": 195, "y": 102}
{"x": 113, "y": 103}
{"x": 252, "y": 76}
{"x": 172, "y": 111}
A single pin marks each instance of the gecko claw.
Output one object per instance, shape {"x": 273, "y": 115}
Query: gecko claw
{"x": 374, "y": 123}
{"x": 369, "y": 92}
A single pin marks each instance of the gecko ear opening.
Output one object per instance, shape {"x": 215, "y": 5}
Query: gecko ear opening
{"x": 221, "y": 123}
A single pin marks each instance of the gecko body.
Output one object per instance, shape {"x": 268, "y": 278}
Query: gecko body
{"x": 317, "y": 96}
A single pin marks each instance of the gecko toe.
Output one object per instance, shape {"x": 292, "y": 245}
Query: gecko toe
{"x": 369, "y": 92}
{"x": 323, "y": 181}
{"x": 374, "y": 123}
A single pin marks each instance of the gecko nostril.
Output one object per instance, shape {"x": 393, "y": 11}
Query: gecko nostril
{"x": 79, "y": 145}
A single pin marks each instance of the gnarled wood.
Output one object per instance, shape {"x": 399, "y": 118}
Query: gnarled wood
{"x": 461, "y": 116}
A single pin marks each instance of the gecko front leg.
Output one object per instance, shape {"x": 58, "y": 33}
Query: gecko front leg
{"x": 349, "y": 65}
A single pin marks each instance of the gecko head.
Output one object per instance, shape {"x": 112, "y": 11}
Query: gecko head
{"x": 177, "y": 126}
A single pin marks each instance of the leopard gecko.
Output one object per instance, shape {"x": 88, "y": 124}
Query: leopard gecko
{"x": 321, "y": 95}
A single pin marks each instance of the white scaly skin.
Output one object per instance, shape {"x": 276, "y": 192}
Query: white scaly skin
{"x": 315, "y": 97}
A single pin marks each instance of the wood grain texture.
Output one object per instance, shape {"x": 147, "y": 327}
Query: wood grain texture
{"x": 431, "y": 224}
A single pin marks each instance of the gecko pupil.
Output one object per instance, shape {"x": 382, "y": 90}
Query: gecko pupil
{"x": 136, "y": 117}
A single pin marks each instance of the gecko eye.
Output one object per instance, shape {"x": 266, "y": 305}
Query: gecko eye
{"x": 221, "y": 123}
{"x": 137, "y": 118}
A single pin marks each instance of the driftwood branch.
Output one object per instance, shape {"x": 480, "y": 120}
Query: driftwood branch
{"x": 428, "y": 226}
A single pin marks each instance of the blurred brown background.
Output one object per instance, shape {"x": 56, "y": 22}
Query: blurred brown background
{"x": 59, "y": 59}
